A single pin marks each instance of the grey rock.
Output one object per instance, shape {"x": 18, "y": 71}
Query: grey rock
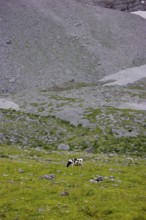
{"x": 12, "y": 80}
{"x": 97, "y": 179}
{"x": 48, "y": 177}
{"x": 89, "y": 150}
{"x": 63, "y": 147}
{"x": 20, "y": 170}
{"x": 1, "y": 135}
{"x": 41, "y": 210}
{"x": 72, "y": 114}
{"x": 93, "y": 181}
{"x": 9, "y": 42}
{"x": 64, "y": 193}
{"x": 124, "y": 133}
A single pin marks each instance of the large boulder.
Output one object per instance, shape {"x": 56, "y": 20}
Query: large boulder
{"x": 63, "y": 147}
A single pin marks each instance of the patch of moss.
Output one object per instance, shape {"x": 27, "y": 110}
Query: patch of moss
{"x": 63, "y": 98}
{"x": 67, "y": 86}
{"x": 91, "y": 114}
{"x": 34, "y": 104}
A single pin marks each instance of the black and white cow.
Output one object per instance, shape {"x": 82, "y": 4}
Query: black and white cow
{"x": 75, "y": 162}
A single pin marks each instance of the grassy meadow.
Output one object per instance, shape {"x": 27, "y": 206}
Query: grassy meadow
{"x": 26, "y": 194}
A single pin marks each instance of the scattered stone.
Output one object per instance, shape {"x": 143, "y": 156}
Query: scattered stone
{"x": 64, "y": 194}
{"x": 124, "y": 133}
{"x": 101, "y": 178}
{"x": 89, "y": 150}
{"x": 93, "y": 181}
{"x": 9, "y": 42}
{"x": 41, "y": 109}
{"x": 111, "y": 155}
{"x": 115, "y": 185}
{"x": 97, "y": 179}
{"x": 4, "y": 174}
{"x": 20, "y": 170}
{"x": 12, "y": 80}
{"x": 48, "y": 177}
{"x": 63, "y": 147}
{"x": 111, "y": 177}
{"x": 1, "y": 137}
{"x": 11, "y": 181}
{"x": 41, "y": 210}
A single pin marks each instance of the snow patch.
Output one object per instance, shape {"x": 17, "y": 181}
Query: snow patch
{"x": 135, "y": 106}
{"x": 140, "y": 13}
{"x": 126, "y": 76}
{"x": 5, "y": 104}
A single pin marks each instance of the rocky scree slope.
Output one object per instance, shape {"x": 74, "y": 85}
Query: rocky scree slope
{"x": 51, "y": 42}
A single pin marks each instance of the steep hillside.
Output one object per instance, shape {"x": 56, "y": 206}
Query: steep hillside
{"x": 51, "y": 42}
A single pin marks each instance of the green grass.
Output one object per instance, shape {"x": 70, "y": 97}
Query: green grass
{"x": 138, "y": 89}
{"x": 25, "y": 196}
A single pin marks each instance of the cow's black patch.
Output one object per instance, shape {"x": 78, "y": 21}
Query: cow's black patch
{"x": 69, "y": 163}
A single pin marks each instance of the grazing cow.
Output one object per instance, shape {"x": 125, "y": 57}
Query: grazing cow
{"x": 75, "y": 162}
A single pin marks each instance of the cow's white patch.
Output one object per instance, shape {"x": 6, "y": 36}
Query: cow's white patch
{"x": 75, "y": 162}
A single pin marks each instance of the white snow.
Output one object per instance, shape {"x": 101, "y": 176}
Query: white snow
{"x": 136, "y": 106}
{"x": 126, "y": 76}
{"x": 140, "y": 13}
{"x": 5, "y": 104}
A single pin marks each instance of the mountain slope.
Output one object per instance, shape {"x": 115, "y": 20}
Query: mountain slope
{"x": 49, "y": 42}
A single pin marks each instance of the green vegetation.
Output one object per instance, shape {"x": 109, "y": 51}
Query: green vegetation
{"x": 138, "y": 62}
{"x": 114, "y": 130}
{"x": 67, "y": 86}
{"x": 119, "y": 130}
{"x": 92, "y": 113}
{"x": 25, "y": 194}
{"x": 57, "y": 97}
{"x": 28, "y": 152}
{"x": 34, "y": 104}
{"x": 138, "y": 89}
